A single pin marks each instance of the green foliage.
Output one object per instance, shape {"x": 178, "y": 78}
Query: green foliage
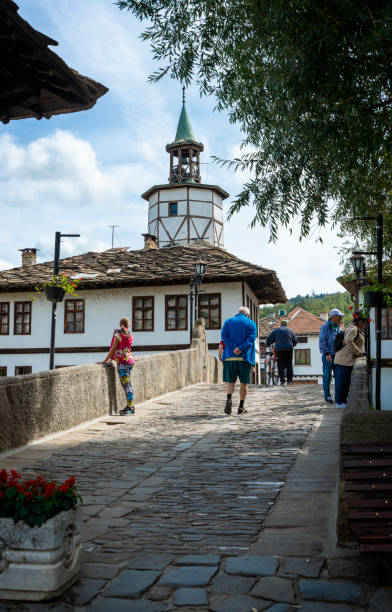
{"x": 309, "y": 83}
{"x": 323, "y": 302}
{"x": 35, "y": 501}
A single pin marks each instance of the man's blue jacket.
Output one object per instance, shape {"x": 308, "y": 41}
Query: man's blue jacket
{"x": 241, "y": 332}
{"x": 327, "y": 338}
{"x": 283, "y": 337}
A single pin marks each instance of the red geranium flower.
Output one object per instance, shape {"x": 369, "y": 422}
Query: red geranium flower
{"x": 49, "y": 490}
{"x": 350, "y": 307}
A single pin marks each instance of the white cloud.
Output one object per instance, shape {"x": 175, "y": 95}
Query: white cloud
{"x": 56, "y": 183}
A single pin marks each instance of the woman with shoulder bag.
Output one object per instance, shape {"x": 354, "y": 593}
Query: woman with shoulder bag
{"x": 120, "y": 351}
{"x": 353, "y": 346}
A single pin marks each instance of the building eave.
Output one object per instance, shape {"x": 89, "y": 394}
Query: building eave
{"x": 218, "y": 190}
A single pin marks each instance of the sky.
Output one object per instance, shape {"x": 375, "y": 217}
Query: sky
{"x": 82, "y": 172}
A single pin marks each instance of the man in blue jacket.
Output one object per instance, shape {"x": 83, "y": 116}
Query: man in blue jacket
{"x": 284, "y": 340}
{"x": 327, "y": 337}
{"x": 238, "y": 335}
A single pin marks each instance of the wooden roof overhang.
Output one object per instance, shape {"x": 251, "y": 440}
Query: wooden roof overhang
{"x": 218, "y": 190}
{"x": 34, "y": 81}
{"x": 350, "y": 285}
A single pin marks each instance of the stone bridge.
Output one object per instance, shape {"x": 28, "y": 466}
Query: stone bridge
{"x": 186, "y": 508}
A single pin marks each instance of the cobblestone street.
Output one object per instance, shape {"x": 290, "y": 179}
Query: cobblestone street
{"x": 176, "y": 500}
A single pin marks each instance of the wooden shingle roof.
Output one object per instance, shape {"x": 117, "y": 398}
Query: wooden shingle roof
{"x": 165, "y": 266}
{"x": 34, "y": 81}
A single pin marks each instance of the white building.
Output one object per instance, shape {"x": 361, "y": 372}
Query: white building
{"x": 307, "y": 362}
{"x": 151, "y": 286}
{"x": 354, "y": 289}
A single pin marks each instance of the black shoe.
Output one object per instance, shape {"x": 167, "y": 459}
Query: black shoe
{"x": 242, "y": 411}
{"x": 228, "y": 406}
{"x": 329, "y": 400}
{"x": 127, "y": 410}
{"x": 290, "y": 382}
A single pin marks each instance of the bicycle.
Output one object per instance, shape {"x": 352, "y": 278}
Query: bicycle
{"x": 271, "y": 369}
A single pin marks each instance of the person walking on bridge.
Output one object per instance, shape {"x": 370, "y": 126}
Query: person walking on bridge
{"x": 120, "y": 351}
{"x": 284, "y": 340}
{"x": 328, "y": 333}
{"x": 238, "y": 336}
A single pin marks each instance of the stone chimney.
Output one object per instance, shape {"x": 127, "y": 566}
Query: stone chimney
{"x": 324, "y": 316}
{"x": 150, "y": 241}
{"x": 29, "y": 257}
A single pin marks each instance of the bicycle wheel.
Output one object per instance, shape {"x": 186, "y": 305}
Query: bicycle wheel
{"x": 268, "y": 375}
{"x": 274, "y": 374}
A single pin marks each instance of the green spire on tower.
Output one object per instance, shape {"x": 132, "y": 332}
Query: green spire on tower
{"x": 184, "y": 128}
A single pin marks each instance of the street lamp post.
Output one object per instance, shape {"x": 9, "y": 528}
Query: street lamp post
{"x": 194, "y": 293}
{"x": 379, "y": 254}
{"x": 56, "y": 268}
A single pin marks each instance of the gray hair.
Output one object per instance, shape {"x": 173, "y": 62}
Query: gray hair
{"x": 244, "y": 310}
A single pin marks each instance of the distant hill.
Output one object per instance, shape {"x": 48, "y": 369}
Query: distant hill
{"x": 315, "y": 303}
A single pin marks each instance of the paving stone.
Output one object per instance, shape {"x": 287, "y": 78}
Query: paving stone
{"x": 232, "y": 584}
{"x": 381, "y": 600}
{"x": 321, "y": 590}
{"x": 131, "y": 583}
{"x": 190, "y": 597}
{"x": 252, "y": 566}
{"x": 100, "y": 570}
{"x": 280, "y": 607}
{"x": 158, "y": 593}
{"x": 275, "y": 588}
{"x": 125, "y": 605}
{"x": 198, "y": 560}
{"x": 188, "y": 576}
{"x": 319, "y": 606}
{"x": 149, "y": 561}
{"x": 301, "y": 566}
{"x": 237, "y": 603}
{"x": 84, "y": 591}
{"x": 359, "y": 568}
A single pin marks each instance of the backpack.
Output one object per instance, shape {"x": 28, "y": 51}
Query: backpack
{"x": 338, "y": 341}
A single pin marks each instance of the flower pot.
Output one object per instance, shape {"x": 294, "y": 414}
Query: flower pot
{"x": 39, "y": 563}
{"x": 373, "y": 299}
{"x": 54, "y": 294}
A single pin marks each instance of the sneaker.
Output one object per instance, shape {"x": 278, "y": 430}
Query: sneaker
{"x": 242, "y": 411}
{"x": 329, "y": 400}
{"x": 340, "y": 405}
{"x": 290, "y": 382}
{"x": 126, "y": 411}
{"x": 228, "y": 406}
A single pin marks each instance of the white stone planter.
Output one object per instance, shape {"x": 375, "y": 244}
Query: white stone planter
{"x": 40, "y": 562}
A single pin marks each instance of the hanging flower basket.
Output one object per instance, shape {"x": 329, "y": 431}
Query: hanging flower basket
{"x": 40, "y": 537}
{"x": 59, "y": 286}
{"x": 373, "y": 298}
{"x": 378, "y": 299}
{"x": 54, "y": 294}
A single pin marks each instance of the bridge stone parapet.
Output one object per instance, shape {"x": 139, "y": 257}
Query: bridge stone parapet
{"x": 37, "y": 405}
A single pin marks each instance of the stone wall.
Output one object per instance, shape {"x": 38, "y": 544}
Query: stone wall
{"x": 41, "y": 404}
{"x": 359, "y": 424}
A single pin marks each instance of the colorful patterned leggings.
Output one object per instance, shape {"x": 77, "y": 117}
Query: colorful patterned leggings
{"x": 124, "y": 372}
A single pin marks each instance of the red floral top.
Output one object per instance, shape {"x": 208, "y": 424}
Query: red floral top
{"x": 123, "y": 353}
